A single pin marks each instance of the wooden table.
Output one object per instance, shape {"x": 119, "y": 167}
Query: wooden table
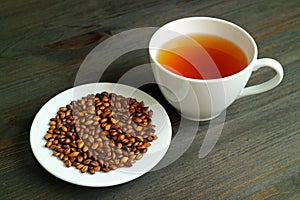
{"x": 258, "y": 154}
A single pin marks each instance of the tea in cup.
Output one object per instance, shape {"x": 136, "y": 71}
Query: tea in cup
{"x": 203, "y": 64}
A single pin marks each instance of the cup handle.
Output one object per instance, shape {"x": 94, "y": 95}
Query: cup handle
{"x": 268, "y": 85}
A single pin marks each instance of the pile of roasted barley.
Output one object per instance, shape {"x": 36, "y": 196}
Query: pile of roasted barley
{"x": 101, "y": 132}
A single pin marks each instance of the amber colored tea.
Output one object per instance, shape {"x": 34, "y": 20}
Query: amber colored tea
{"x": 200, "y": 56}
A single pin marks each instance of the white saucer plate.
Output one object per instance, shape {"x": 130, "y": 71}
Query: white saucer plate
{"x": 56, "y": 167}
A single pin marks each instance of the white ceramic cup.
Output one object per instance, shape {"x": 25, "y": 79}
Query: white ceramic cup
{"x": 199, "y": 99}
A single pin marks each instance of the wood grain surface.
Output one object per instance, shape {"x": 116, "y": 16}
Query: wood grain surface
{"x": 257, "y": 156}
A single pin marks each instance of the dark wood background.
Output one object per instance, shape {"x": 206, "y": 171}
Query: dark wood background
{"x": 258, "y": 154}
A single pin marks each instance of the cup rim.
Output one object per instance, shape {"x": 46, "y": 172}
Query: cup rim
{"x": 254, "y": 57}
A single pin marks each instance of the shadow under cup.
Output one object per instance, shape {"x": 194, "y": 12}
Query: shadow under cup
{"x": 201, "y": 99}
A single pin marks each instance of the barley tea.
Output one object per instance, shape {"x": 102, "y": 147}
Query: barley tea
{"x": 200, "y": 56}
